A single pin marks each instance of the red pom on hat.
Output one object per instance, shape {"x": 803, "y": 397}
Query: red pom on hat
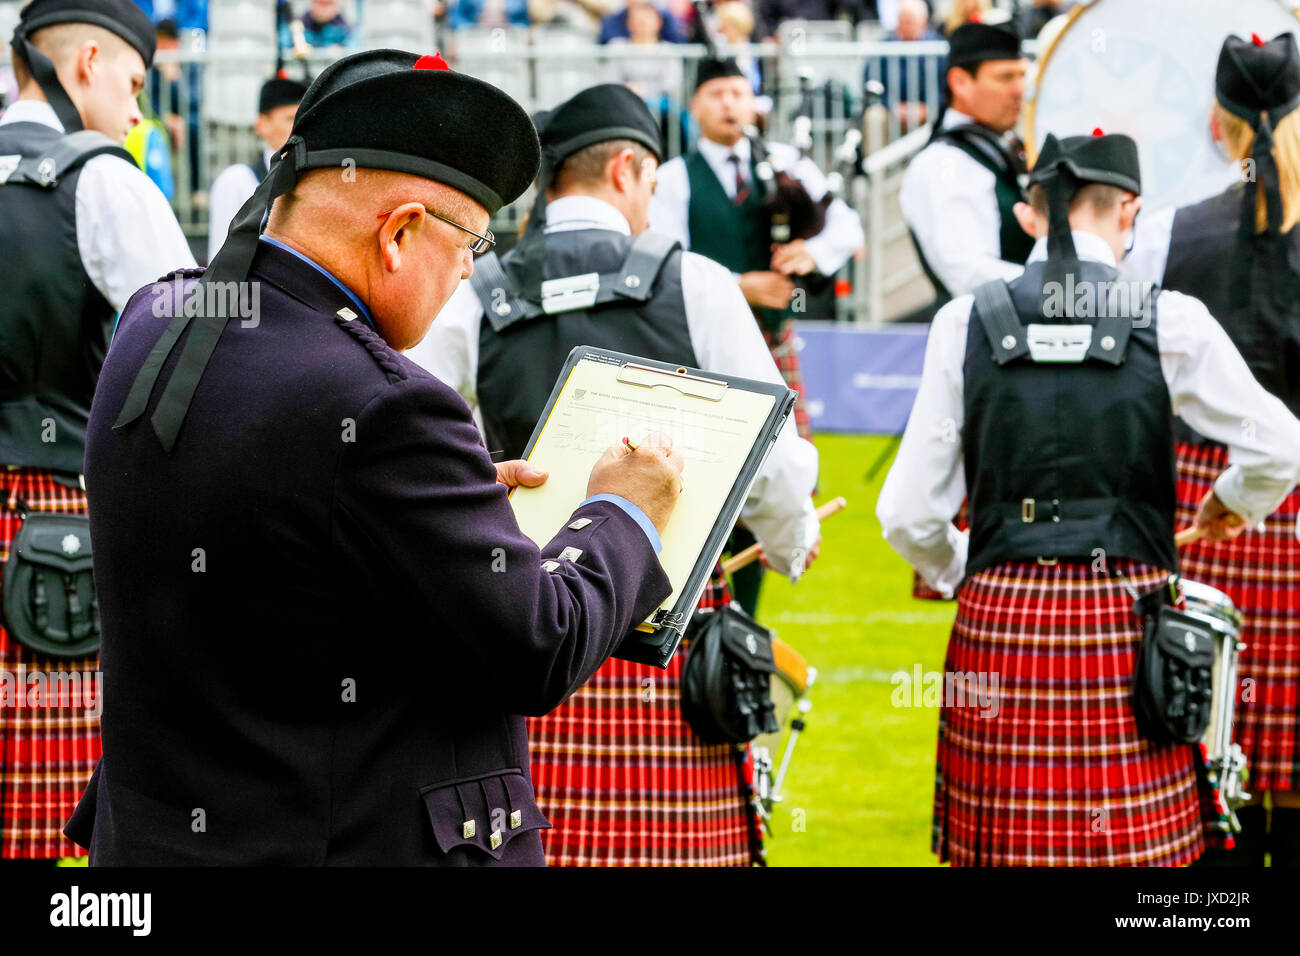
{"x": 1256, "y": 39}
{"x": 974, "y": 18}
{"x": 435, "y": 62}
{"x": 1096, "y": 131}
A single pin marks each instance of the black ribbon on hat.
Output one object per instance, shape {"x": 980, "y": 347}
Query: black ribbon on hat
{"x": 47, "y": 78}
{"x": 1266, "y": 177}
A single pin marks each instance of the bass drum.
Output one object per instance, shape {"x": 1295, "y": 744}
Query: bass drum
{"x": 1147, "y": 69}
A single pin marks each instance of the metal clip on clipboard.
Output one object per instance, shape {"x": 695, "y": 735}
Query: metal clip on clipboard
{"x": 694, "y": 386}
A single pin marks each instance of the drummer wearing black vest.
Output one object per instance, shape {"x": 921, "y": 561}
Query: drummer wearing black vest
{"x": 1239, "y": 252}
{"x": 1051, "y": 400}
{"x": 81, "y": 228}
{"x": 587, "y": 271}
{"x": 959, "y": 192}
{"x": 277, "y": 105}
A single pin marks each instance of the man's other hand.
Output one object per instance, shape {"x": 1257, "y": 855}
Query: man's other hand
{"x": 518, "y": 472}
{"x": 769, "y": 290}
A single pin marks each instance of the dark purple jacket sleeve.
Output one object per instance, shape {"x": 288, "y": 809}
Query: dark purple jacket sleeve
{"x": 417, "y": 492}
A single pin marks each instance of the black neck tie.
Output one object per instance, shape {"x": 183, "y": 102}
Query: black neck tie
{"x": 742, "y": 187}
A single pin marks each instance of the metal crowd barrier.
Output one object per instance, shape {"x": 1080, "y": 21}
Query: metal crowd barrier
{"x": 208, "y": 98}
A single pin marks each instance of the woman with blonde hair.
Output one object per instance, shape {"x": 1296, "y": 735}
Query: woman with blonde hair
{"x": 1239, "y": 252}
{"x": 961, "y": 12}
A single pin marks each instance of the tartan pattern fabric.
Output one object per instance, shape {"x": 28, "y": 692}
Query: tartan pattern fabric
{"x": 1260, "y": 571}
{"x": 49, "y": 744}
{"x": 781, "y": 342}
{"x": 1054, "y": 772}
{"x": 922, "y": 591}
{"x": 626, "y": 782}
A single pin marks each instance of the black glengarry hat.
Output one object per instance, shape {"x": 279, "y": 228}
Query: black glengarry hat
{"x": 1065, "y": 165}
{"x": 121, "y": 17}
{"x": 1260, "y": 83}
{"x": 278, "y": 91}
{"x": 382, "y": 109}
{"x": 973, "y": 43}
{"x": 715, "y": 68}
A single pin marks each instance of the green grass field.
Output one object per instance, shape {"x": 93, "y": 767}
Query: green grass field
{"x": 861, "y": 786}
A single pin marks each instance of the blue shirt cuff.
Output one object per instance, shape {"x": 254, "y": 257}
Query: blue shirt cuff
{"x": 636, "y": 514}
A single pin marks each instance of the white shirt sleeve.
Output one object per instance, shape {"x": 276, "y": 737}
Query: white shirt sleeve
{"x": 927, "y": 483}
{"x": 1150, "y": 252}
{"x": 671, "y": 202}
{"x": 726, "y": 339}
{"x": 842, "y": 233}
{"x": 1212, "y": 389}
{"x": 450, "y": 349}
{"x": 949, "y": 203}
{"x": 230, "y": 190}
{"x": 127, "y": 235}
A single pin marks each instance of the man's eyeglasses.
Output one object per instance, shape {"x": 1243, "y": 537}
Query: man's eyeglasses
{"x": 480, "y": 245}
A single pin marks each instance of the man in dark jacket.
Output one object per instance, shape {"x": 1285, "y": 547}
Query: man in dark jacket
{"x": 321, "y": 620}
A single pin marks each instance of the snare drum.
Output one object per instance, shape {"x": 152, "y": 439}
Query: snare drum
{"x": 1226, "y": 760}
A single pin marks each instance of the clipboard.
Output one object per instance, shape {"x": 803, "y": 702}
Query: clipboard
{"x": 725, "y": 427}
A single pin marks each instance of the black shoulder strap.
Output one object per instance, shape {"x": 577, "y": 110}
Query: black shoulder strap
{"x": 641, "y": 267}
{"x": 1001, "y": 324}
{"x": 988, "y": 144}
{"x": 501, "y": 303}
{"x": 1111, "y": 333}
{"x": 67, "y": 154}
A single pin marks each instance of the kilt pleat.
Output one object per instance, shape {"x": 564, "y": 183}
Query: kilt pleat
{"x": 625, "y": 781}
{"x": 48, "y": 745}
{"x": 1260, "y": 571}
{"x": 1054, "y": 772}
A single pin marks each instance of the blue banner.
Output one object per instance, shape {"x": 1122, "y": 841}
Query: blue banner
{"x": 861, "y": 379}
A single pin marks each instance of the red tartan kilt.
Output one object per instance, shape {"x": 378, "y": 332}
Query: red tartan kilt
{"x": 1054, "y": 772}
{"x": 48, "y": 748}
{"x": 783, "y": 346}
{"x": 922, "y": 591}
{"x": 1260, "y": 571}
{"x": 625, "y": 782}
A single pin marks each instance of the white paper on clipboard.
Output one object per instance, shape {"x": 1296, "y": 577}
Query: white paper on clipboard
{"x": 714, "y": 426}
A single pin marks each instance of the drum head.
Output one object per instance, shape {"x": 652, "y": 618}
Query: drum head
{"x": 1147, "y": 69}
{"x": 788, "y": 684}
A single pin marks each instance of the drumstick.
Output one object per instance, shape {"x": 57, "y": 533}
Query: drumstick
{"x": 750, "y": 554}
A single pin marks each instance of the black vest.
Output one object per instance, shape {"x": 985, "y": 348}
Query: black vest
{"x": 1062, "y": 458}
{"x": 520, "y": 354}
{"x": 1203, "y": 262}
{"x": 989, "y": 151}
{"x": 54, "y": 323}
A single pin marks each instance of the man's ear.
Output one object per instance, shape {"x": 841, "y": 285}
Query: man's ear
{"x": 1216, "y": 128}
{"x": 1128, "y": 210}
{"x": 395, "y": 232}
{"x": 1028, "y": 219}
{"x": 87, "y": 61}
{"x": 625, "y": 170}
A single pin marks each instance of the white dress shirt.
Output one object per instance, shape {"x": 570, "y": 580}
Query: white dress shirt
{"x": 230, "y": 190}
{"x": 669, "y": 209}
{"x": 127, "y": 235}
{"x": 1209, "y": 385}
{"x": 949, "y": 203}
{"x": 1150, "y": 253}
{"x": 725, "y": 339}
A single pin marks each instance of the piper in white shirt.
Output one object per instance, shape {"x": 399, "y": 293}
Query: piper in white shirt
{"x": 1060, "y": 428}
{"x": 501, "y": 341}
{"x": 81, "y": 229}
{"x": 277, "y": 105}
{"x": 958, "y": 193}
{"x": 710, "y": 201}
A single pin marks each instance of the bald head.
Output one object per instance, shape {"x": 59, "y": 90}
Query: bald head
{"x": 371, "y": 230}
{"x": 913, "y": 16}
